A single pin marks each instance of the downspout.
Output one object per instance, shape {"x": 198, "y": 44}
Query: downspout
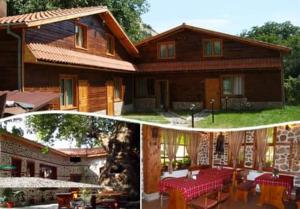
{"x": 282, "y": 80}
{"x": 20, "y": 70}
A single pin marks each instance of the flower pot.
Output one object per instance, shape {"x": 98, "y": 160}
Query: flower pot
{"x": 10, "y": 204}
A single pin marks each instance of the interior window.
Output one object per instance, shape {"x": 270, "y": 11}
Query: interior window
{"x": 47, "y": 171}
{"x": 270, "y": 148}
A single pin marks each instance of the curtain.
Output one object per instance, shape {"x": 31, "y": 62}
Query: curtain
{"x": 261, "y": 146}
{"x": 235, "y": 141}
{"x": 193, "y": 141}
{"x": 171, "y": 138}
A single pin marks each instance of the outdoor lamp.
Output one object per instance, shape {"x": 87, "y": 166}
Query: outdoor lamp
{"x": 192, "y": 108}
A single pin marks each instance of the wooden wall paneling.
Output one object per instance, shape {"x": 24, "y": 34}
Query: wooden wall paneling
{"x": 152, "y": 162}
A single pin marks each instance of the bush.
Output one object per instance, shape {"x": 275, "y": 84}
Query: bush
{"x": 292, "y": 90}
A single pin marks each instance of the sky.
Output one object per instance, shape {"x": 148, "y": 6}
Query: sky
{"x": 228, "y": 16}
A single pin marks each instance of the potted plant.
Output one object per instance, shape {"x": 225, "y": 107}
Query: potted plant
{"x": 9, "y": 197}
{"x": 20, "y": 199}
{"x": 86, "y": 196}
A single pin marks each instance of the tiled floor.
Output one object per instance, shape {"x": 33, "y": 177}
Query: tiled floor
{"x": 229, "y": 204}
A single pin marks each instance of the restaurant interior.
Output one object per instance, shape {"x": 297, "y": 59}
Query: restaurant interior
{"x": 253, "y": 168}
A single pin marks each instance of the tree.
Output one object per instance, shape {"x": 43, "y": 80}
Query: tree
{"x": 127, "y": 12}
{"x": 284, "y": 34}
{"x": 119, "y": 139}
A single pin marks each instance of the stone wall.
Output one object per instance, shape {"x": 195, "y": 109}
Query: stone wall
{"x": 186, "y": 105}
{"x": 203, "y": 155}
{"x": 144, "y": 104}
{"x": 249, "y": 155}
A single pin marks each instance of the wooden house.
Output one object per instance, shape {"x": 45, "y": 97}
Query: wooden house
{"x": 85, "y": 55}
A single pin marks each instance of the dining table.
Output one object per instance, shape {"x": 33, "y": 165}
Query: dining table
{"x": 182, "y": 190}
{"x": 273, "y": 189}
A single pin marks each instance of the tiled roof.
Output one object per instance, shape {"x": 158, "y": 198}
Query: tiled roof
{"x": 47, "y": 53}
{"x": 89, "y": 152}
{"x": 38, "y": 18}
{"x": 214, "y": 33}
{"x": 52, "y": 16}
{"x": 210, "y": 65}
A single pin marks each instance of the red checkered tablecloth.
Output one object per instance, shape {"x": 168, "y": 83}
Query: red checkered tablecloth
{"x": 191, "y": 188}
{"x": 224, "y": 173}
{"x": 283, "y": 180}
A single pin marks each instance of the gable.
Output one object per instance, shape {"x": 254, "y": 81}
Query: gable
{"x": 189, "y": 47}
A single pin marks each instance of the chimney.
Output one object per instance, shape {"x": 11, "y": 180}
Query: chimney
{"x": 3, "y": 8}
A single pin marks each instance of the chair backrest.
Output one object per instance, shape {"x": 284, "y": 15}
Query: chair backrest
{"x": 2, "y": 104}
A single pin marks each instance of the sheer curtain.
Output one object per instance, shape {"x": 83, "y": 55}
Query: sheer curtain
{"x": 235, "y": 142}
{"x": 261, "y": 146}
{"x": 193, "y": 142}
{"x": 171, "y": 138}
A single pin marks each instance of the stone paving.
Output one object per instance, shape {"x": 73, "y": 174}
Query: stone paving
{"x": 48, "y": 206}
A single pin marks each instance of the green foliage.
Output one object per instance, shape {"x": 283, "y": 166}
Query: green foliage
{"x": 45, "y": 150}
{"x": 82, "y": 129}
{"x": 127, "y": 12}
{"x": 292, "y": 90}
{"x": 284, "y": 34}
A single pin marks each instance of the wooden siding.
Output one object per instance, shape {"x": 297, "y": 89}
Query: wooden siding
{"x": 260, "y": 85}
{"x": 189, "y": 47}
{"x": 8, "y": 62}
{"x": 46, "y": 78}
{"x": 61, "y": 34}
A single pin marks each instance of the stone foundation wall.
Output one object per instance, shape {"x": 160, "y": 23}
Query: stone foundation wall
{"x": 186, "y": 105}
{"x": 249, "y": 155}
{"x": 203, "y": 155}
{"x": 244, "y": 104}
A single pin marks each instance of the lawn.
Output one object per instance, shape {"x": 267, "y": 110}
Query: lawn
{"x": 246, "y": 119}
{"x": 147, "y": 117}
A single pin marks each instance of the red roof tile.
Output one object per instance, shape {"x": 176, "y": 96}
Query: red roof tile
{"x": 88, "y": 152}
{"x": 47, "y": 53}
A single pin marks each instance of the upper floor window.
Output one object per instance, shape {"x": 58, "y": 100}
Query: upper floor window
{"x": 166, "y": 50}
{"x": 233, "y": 85}
{"x": 67, "y": 92}
{"x": 110, "y": 44}
{"x": 212, "y": 48}
{"x": 80, "y": 36}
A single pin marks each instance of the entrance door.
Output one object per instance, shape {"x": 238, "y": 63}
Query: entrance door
{"x": 162, "y": 94}
{"x": 17, "y": 163}
{"x": 212, "y": 91}
{"x": 83, "y": 95}
{"x": 110, "y": 97}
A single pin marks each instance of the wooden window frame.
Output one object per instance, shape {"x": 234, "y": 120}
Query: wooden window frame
{"x": 75, "y": 92}
{"x": 213, "y": 40}
{"x": 53, "y": 176}
{"x": 273, "y": 144}
{"x": 166, "y": 43}
{"x": 120, "y": 80}
{"x": 232, "y": 76}
{"x": 112, "y": 38}
{"x": 85, "y": 29}
{"x": 30, "y": 162}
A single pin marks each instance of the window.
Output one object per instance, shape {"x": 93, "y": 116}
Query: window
{"x": 67, "y": 92}
{"x": 144, "y": 87}
{"x": 233, "y": 85}
{"x": 110, "y": 44}
{"x": 117, "y": 88}
{"x": 166, "y": 50}
{"x": 182, "y": 160}
{"x": 17, "y": 163}
{"x": 212, "y": 48}
{"x": 80, "y": 35}
{"x": 47, "y": 171}
{"x": 270, "y": 148}
{"x": 30, "y": 169}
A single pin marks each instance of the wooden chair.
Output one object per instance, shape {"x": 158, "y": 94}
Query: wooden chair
{"x": 205, "y": 201}
{"x": 272, "y": 195}
{"x": 163, "y": 195}
{"x": 2, "y": 104}
{"x": 243, "y": 190}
